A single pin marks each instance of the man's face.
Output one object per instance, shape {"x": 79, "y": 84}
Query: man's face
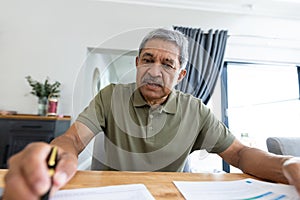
{"x": 158, "y": 70}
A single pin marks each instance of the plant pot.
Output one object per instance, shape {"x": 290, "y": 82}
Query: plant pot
{"x": 42, "y": 106}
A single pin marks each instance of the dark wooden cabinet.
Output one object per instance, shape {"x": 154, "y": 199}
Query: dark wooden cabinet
{"x": 16, "y": 131}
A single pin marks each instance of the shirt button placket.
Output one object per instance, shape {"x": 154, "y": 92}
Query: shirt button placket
{"x": 150, "y": 125}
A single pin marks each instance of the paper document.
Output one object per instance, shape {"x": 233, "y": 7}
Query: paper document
{"x": 116, "y": 192}
{"x": 246, "y": 189}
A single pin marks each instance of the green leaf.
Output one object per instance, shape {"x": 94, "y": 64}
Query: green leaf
{"x": 43, "y": 89}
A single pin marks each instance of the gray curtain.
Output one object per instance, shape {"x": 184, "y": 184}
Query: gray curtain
{"x": 206, "y": 55}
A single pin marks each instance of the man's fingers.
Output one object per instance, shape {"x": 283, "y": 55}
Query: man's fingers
{"x": 65, "y": 169}
{"x": 28, "y": 175}
{"x": 16, "y": 187}
{"x": 291, "y": 170}
{"x": 37, "y": 172}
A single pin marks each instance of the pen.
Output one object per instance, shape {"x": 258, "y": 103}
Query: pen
{"x": 51, "y": 163}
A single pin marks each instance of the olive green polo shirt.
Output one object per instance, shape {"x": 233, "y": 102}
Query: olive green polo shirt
{"x": 139, "y": 137}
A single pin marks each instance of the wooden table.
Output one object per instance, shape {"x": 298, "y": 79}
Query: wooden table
{"x": 35, "y": 117}
{"x": 158, "y": 183}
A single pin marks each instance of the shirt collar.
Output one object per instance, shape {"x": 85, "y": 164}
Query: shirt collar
{"x": 169, "y": 106}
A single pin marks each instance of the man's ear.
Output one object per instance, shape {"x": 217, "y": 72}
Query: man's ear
{"x": 182, "y": 74}
{"x": 136, "y": 61}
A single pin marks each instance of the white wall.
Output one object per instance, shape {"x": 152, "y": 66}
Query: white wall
{"x": 50, "y": 38}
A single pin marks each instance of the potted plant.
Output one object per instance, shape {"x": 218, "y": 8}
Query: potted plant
{"x": 43, "y": 91}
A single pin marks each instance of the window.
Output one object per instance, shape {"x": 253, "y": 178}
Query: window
{"x": 262, "y": 101}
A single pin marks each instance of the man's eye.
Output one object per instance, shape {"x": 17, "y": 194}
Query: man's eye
{"x": 146, "y": 60}
{"x": 167, "y": 66}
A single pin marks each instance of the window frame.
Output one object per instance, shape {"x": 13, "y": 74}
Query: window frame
{"x": 224, "y": 95}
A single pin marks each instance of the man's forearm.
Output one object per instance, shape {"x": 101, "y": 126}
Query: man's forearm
{"x": 262, "y": 164}
{"x": 75, "y": 139}
{"x": 67, "y": 143}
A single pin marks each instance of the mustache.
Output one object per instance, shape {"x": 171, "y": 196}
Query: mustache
{"x": 148, "y": 79}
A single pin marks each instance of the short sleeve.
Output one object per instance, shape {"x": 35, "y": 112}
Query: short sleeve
{"x": 94, "y": 115}
{"x": 214, "y": 136}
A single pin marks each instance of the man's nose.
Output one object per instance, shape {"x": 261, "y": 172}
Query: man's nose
{"x": 155, "y": 69}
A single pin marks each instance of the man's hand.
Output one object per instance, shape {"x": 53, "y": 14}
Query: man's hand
{"x": 291, "y": 170}
{"x": 28, "y": 176}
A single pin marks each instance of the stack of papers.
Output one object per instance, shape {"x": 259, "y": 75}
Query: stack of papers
{"x": 116, "y": 192}
{"x": 246, "y": 189}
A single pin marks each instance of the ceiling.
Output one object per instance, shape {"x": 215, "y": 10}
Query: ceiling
{"x": 269, "y": 8}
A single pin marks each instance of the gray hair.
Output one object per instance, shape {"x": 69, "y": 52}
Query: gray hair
{"x": 172, "y": 36}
